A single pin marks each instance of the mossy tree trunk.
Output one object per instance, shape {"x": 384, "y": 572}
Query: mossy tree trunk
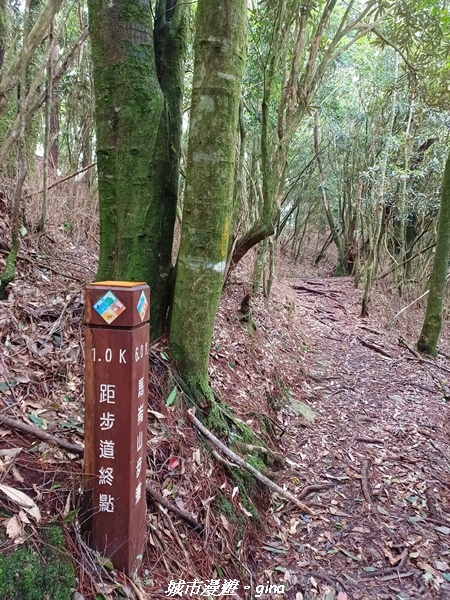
{"x": 220, "y": 48}
{"x": 138, "y": 79}
{"x": 432, "y": 324}
{"x": 3, "y": 31}
{"x": 9, "y": 272}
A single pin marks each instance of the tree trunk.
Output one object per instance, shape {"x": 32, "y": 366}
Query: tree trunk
{"x": 38, "y": 32}
{"x": 339, "y": 269}
{"x": 380, "y": 205}
{"x": 47, "y": 120}
{"x": 54, "y": 130}
{"x": 218, "y": 69}
{"x": 3, "y": 31}
{"x": 9, "y": 272}
{"x": 134, "y": 121}
{"x": 432, "y": 324}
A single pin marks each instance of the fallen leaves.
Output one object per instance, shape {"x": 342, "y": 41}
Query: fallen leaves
{"x": 22, "y": 500}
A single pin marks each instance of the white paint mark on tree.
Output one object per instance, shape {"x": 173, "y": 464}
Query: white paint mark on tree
{"x": 227, "y": 76}
{"x": 206, "y": 104}
{"x": 204, "y": 157}
{"x": 197, "y": 265}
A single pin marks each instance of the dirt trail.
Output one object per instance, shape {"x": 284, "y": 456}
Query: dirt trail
{"x": 381, "y": 440}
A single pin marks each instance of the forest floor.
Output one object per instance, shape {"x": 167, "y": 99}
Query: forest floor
{"x": 360, "y": 420}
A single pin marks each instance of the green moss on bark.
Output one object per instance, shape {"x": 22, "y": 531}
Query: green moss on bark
{"x": 218, "y": 69}
{"x": 432, "y": 325}
{"x": 137, "y": 172}
{"x": 3, "y": 31}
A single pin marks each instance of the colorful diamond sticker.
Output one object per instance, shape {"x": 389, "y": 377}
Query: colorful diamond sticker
{"x": 142, "y": 306}
{"x": 109, "y": 307}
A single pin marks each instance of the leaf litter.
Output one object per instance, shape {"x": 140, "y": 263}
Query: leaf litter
{"x": 361, "y": 424}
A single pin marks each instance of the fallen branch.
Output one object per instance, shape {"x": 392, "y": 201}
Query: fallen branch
{"x": 365, "y": 482}
{"x": 398, "y": 576}
{"x": 174, "y": 532}
{"x": 368, "y": 440}
{"x": 183, "y": 514}
{"x": 42, "y": 266}
{"x": 370, "y": 329}
{"x": 417, "y": 355}
{"x": 410, "y": 304}
{"x": 438, "y": 521}
{"x": 382, "y": 572}
{"x": 78, "y": 449}
{"x": 374, "y": 347}
{"x": 325, "y": 577}
{"x": 41, "y": 435}
{"x": 243, "y": 464}
{"x": 315, "y": 487}
{"x": 222, "y": 460}
{"x": 333, "y": 294}
{"x": 63, "y": 179}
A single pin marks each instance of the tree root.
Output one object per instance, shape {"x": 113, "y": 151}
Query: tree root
{"x": 243, "y": 464}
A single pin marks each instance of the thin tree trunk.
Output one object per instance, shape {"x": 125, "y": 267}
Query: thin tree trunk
{"x": 9, "y": 272}
{"x": 47, "y": 116}
{"x": 218, "y": 70}
{"x": 33, "y": 108}
{"x": 3, "y": 31}
{"x": 269, "y": 274}
{"x": 379, "y": 205}
{"x": 333, "y": 229}
{"x": 402, "y": 211}
{"x": 258, "y": 267}
{"x": 432, "y": 324}
{"x": 38, "y": 32}
{"x": 54, "y": 119}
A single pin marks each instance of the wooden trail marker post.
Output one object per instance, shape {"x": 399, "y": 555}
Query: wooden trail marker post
{"x": 117, "y": 343}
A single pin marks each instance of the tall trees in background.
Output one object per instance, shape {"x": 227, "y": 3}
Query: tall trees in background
{"x": 138, "y": 78}
{"x": 295, "y": 44}
{"x": 220, "y": 49}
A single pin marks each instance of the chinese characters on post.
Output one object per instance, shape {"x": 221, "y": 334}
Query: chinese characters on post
{"x": 117, "y": 341}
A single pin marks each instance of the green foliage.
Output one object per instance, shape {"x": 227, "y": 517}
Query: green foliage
{"x": 38, "y": 573}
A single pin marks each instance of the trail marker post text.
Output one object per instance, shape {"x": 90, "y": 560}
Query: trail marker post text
{"x": 117, "y": 346}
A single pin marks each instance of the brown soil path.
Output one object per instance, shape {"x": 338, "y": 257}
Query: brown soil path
{"x": 380, "y": 446}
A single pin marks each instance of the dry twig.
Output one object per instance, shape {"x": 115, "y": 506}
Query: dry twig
{"x": 375, "y": 347}
{"x": 382, "y": 572}
{"x": 315, "y": 487}
{"x": 365, "y": 482}
{"x": 41, "y": 435}
{"x": 177, "y": 511}
{"x": 368, "y": 440}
